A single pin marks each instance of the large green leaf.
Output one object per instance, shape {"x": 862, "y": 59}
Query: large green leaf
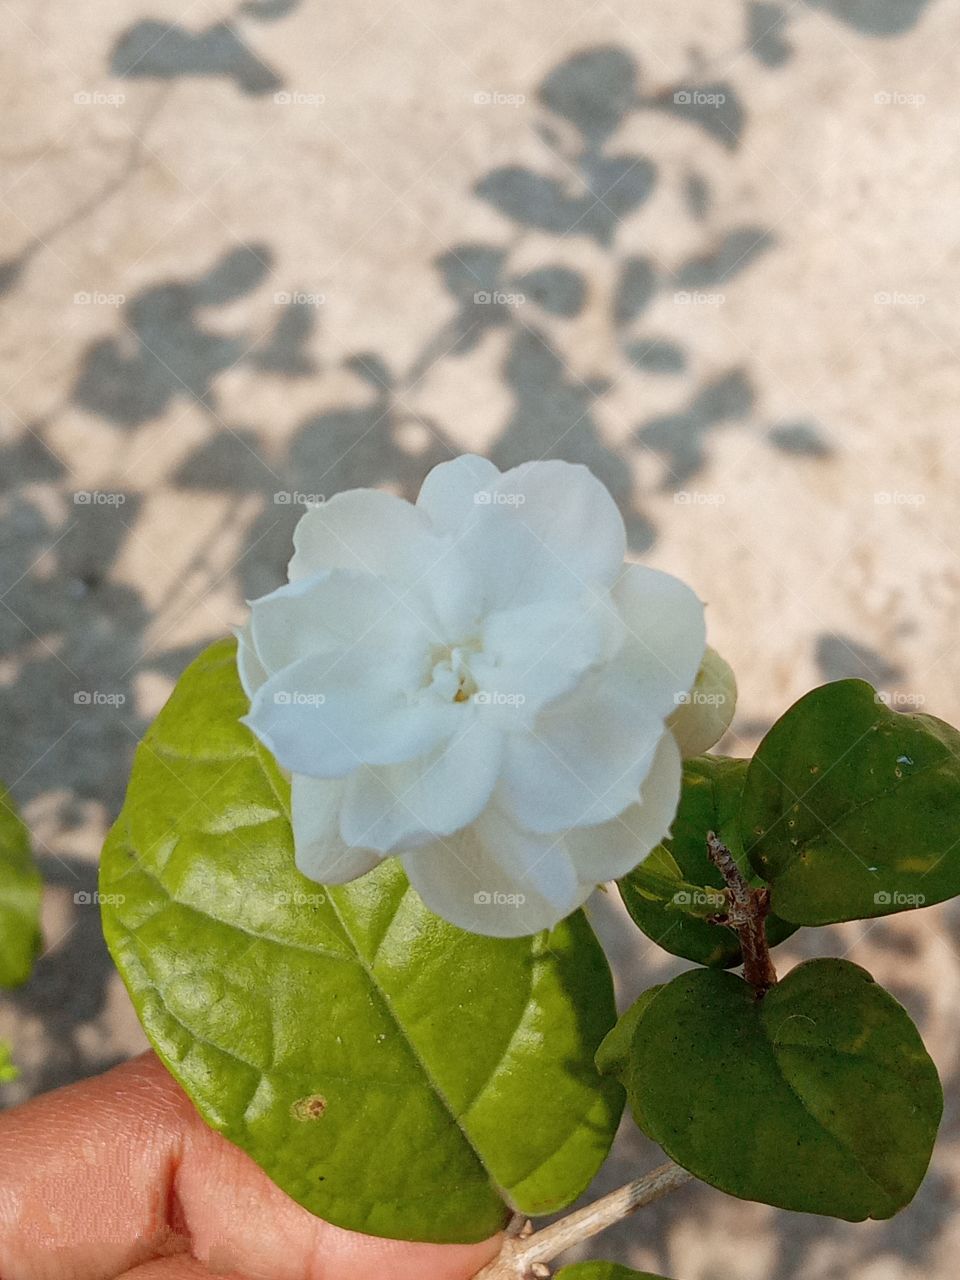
{"x": 819, "y": 1097}
{"x": 393, "y": 1074}
{"x": 20, "y": 892}
{"x": 603, "y": 1271}
{"x": 852, "y": 810}
{"x": 673, "y": 914}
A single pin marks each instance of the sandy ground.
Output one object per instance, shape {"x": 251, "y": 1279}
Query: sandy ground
{"x": 260, "y": 252}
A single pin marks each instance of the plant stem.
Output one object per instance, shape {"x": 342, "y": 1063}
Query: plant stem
{"x": 523, "y": 1258}
{"x": 747, "y": 914}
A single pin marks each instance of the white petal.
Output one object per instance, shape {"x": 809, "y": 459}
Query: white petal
{"x": 572, "y": 515}
{"x": 324, "y": 716}
{"x": 365, "y": 530}
{"x": 249, "y": 667}
{"x": 320, "y": 853}
{"x": 666, "y": 633}
{"x": 494, "y": 879}
{"x": 509, "y": 565}
{"x": 374, "y": 532}
{"x": 453, "y": 491}
{"x": 586, "y": 756}
{"x": 532, "y": 654}
{"x": 703, "y": 719}
{"x": 407, "y": 805}
{"x": 330, "y": 612}
{"x": 614, "y": 848}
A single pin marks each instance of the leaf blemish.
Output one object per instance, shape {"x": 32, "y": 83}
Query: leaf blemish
{"x": 312, "y": 1107}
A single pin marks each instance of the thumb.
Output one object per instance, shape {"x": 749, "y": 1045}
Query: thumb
{"x": 114, "y": 1172}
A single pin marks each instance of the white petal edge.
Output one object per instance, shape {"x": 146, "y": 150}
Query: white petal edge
{"x": 250, "y": 669}
{"x": 611, "y": 850}
{"x": 368, "y": 531}
{"x": 666, "y": 631}
{"x": 324, "y": 717}
{"x": 454, "y": 491}
{"x": 496, "y": 880}
{"x": 315, "y": 815}
{"x": 572, "y": 514}
{"x": 586, "y": 756}
{"x": 404, "y": 806}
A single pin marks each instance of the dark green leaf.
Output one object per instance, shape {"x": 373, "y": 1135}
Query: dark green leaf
{"x": 709, "y": 801}
{"x": 820, "y": 1097}
{"x": 20, "y": 892}
{"x": 390, "y": 1072}
{"x": 852, "y": 810}
{"x": 613, "y": 1056}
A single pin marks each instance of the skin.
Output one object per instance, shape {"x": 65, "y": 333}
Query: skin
{"x": 119, "y": 1177}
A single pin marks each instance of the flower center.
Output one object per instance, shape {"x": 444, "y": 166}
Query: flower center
{"x": 450, "y": 676}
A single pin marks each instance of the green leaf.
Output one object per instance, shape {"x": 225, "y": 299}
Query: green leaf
{"x": 20, "y": 891}
{"x": 603, "y": 1271}
{"x": 819, "y": 1097}
{"x": 851, "y": 810}
{"x": 673, "y": 911}
{"x": 391, "y": 1073}
{"x": 8, "y": 1068}
{"x": 613, "y": 1056}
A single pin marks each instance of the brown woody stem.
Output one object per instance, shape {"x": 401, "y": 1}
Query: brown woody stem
{"x": 746, "y": 914}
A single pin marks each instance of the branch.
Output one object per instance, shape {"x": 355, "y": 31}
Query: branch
{"x": 747, "y": 914}
{"x": 523, "y": 1258}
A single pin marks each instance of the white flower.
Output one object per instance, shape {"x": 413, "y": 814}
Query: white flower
{"x": 478, "y": 685}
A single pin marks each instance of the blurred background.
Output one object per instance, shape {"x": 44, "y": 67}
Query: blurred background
{"x": 256, "y": 252}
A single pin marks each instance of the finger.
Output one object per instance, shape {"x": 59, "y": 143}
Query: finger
{"x": 98, "y": 1178}
{"x": 179, "y": 1268}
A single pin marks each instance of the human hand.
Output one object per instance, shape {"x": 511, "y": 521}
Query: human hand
{"x": 119, "y": 1177}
